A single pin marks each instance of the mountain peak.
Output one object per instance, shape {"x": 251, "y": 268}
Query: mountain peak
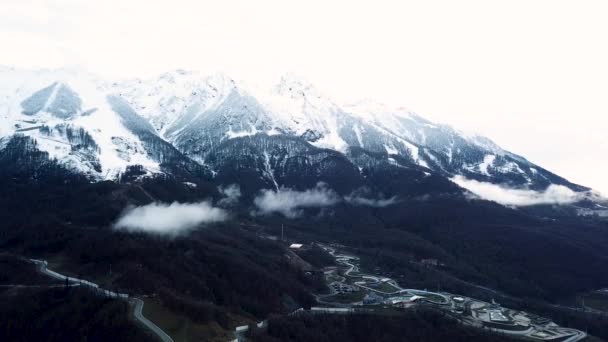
{"x": 197, "y": 113}
{"x": 177, "y": 73}
{"x": 295, "y": 85}
{"x": 221, "y": 81}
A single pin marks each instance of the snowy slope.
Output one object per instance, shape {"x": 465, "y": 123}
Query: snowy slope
{"x": 306, "y": 112}
{"x": 42, "y": 104}
{"x": 212, "y": 110}
{"x": 182, "y": 117}
{"x": 165, "y": 99}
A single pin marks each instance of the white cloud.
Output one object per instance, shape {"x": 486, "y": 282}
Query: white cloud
{"x": 371, "y": 202}
{"x": 290, "y": 202}
{"x": 231, "y": 193}
{"x": 363, "y": 197}
{"x": 554, "y": 194}
{"x": 169, "y": 219}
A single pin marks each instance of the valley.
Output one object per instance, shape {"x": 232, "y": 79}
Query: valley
{"x": 309, "y": 171}
{"x": 176, "y": 189}
{"x": 382, "y": 293}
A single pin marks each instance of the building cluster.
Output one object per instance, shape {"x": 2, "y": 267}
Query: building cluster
{"x": 341, "y": 288}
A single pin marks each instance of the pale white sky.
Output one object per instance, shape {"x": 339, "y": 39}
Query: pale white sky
{"x": 532, "y": 75}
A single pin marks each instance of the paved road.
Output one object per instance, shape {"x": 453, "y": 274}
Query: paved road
{"x": 50, "y": 286}
{"x": 346, "y": 260}
{"x": 137, "y": 312}
{"x": 138, "y": 304}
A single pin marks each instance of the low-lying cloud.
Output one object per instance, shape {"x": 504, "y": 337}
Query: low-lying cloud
{"x": 231, "y": 193}
{"x": 363, "y": 197}
{"x": 554, "y": 194}
{"x": 291, "y": 202}
{"x": 371, "y": 202}
{"x": 169, "y": 219}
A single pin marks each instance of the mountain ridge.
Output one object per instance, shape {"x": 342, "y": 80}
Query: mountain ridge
{"x": 184, "y": 119}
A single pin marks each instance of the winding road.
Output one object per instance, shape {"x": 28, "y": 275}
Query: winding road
{"x": 366, "y": 278}
{"x": 138, "y": 304}
{"x": 137, "y": 312}
{"x": 368, "y": 282}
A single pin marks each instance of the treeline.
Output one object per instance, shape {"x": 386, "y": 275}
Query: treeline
{"x": 479, "y": 242}
{"x": 316, "y": 257}
{"x": 29, "y": 314}
{"x": 204, "y": 275}
{"x": 15, "y": 271}
{"x": 414, "y": 326}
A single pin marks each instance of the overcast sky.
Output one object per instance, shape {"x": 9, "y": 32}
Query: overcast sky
{"x": 531, "y": 75}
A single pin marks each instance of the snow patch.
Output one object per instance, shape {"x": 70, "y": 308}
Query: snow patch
{"x": 232, "y": 134}
{"x": 415, "y": 153}
{"x": 390, "y": 149}
{"x": 357, "y": 130}
{"x": 269, "y": 171}
{"x": 488, "y": 161}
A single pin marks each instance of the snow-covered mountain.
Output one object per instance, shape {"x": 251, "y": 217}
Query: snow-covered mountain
{"x": 214, "y": 126}
{"x": 69, "y": 117}
{"x": 72, "y": 116}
